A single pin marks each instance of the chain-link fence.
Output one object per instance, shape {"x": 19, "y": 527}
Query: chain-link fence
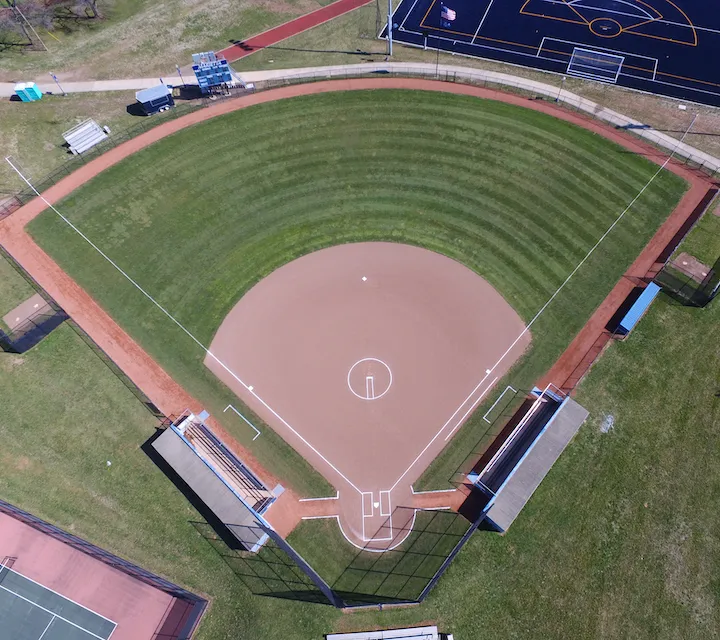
{"x": 195, "y": 605}
{"x": 532, "y": 90}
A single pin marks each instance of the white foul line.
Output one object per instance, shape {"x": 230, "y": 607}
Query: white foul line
{"x": 554, "y": 295}
{"x": 272, "y": 411}
{"x": 186, "y": 331}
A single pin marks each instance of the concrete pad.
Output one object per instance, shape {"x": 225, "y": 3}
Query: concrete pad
{"x": 31, "y": 307}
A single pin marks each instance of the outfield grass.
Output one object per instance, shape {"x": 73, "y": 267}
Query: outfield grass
{"x": 516, "y": 195}
{"x": 620, "y": 540}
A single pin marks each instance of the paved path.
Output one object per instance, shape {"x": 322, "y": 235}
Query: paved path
{"x": 166, "y": 394}
{"x": 449, "y": 72}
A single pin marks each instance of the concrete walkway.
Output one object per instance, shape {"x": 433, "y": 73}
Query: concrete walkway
{"x": 443, "y": 72}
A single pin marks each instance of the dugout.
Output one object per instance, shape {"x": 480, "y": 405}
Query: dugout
{"x": 637, "y": 310}
{"x": 155, "y": 99}
{"x": 519, "y": 465}
{"x": 228, "y": 488}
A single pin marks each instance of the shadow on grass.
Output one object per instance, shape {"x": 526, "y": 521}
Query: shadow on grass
{"x": 359, "y": 578}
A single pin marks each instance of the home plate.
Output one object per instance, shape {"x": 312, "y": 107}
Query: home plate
{"x": 376, "y": 505}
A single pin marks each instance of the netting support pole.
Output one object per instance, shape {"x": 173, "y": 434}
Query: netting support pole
{"x": 323, "y": 586}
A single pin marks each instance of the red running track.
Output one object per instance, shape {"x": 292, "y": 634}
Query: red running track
{"x": 291, "y": 28}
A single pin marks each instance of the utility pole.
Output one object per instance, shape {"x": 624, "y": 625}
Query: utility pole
{"x": 389, "y": 27}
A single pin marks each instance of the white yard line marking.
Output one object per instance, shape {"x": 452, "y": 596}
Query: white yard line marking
{"x": 482, "y": 20}
{"x": 402, "y": 24}
{"x": 250, "y": 424}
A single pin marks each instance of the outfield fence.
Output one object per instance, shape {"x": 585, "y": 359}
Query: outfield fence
{"x": 533, "y": 90}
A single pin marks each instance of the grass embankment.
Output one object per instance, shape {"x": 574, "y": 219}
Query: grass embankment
{"x": 198, "y": 218}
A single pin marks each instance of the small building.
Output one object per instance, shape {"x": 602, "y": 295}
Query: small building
{"x": 155, "y": 99}
{"x": 28, "y": 91}
{"x": 84, "y": 136}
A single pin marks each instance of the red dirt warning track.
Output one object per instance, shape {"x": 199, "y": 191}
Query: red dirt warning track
{"x": 172, "y": 399}
{"x": 291, "y": 28}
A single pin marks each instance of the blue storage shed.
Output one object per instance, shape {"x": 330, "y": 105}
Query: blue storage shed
{"x": 155, "y": 99}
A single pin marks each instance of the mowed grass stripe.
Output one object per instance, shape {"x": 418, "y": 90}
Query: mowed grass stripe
{"x": 200, "y": 217}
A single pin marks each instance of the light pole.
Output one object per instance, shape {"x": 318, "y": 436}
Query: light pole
{"x": 180, "y": 74}
{"x": 57, "y": 82}
{"x": 562, "y": 84}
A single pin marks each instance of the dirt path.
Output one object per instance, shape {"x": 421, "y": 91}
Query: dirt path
{"x": 291, "y": 28}
{"x": 166, "y": 394}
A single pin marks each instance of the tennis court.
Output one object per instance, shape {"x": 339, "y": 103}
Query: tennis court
{"x": 29, "y": 611}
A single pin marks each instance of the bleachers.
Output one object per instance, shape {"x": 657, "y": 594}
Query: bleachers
{"x": 241, "y": 479}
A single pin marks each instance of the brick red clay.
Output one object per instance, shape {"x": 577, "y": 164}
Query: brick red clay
{"x": 172, "y": 399}
{"x": 291, "y": 28}
{"x": 138, "y": 609}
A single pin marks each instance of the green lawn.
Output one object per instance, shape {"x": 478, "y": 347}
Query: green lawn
{"x": 31, "y": 133}
{"x": 144, "y": 38}
{"x": 704, "y": 242}
{"x": 517, "y": 196}
{"x": 620, "y": 540}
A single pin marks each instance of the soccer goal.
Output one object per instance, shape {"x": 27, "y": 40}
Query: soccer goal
{"x": 595, "y": 65}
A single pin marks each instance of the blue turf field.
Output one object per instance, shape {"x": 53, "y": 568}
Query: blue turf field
{"x": 669, "y": 47}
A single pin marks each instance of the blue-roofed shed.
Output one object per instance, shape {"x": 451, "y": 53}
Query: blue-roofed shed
{"x": 155, "y": 99}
